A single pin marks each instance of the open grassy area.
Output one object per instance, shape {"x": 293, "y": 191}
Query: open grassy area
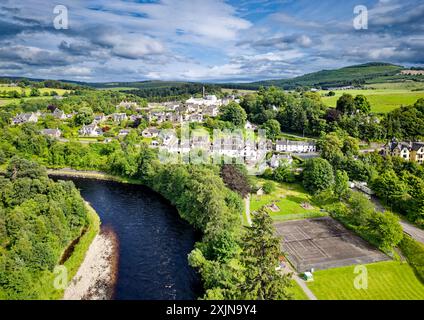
{"x": 381, "y": 100}
{"x": 297, "y": 292}
{"x": 404, "y": 85}
{"x": 288, "y": 198}
{"x": 389, "y": 280}
{"x": 28, "y": 90}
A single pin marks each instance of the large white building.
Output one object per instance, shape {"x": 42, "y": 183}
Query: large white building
{"x": 295, "y": 146}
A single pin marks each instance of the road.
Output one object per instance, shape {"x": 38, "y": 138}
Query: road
{"x": 413, "y": 231}
{"x": 408, "y": 228}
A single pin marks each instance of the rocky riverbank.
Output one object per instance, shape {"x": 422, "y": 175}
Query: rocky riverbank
{"x": 97, "y": 275}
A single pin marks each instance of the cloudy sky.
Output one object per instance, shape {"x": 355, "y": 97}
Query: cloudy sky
{"x": 203, "y": 40}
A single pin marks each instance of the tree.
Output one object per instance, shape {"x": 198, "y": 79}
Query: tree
{"x": 386, "y": 228}
{"x": 362, "y": 104}
{"x": 234, "y": 114}
{"x": 272, "y": 129}
{"x": 350, "y": 146}
{"x": 317, "y": 175}
{"x": 346, "y": 104}
{"x": 268, "y": 187}
{"x": 330, "y": 147}
{"x": 34, "y": 92}
{"x": 390, "y": 188}
{"x": 236, "y": 179}
{"x": 341, "y": 186}
{"x": 284, "y": 173}
{"x": 261, "y": 257}
{"x": 84, "y": 116}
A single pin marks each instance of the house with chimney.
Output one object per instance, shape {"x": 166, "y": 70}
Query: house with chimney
{"x": 410, "y": 151}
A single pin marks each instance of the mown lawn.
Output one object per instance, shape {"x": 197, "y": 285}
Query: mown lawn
{"x": 389, "y": 280}
{"x": 288, "y": 198}
{"x": 297, "y": 292}
{"x": 381, "y": 100}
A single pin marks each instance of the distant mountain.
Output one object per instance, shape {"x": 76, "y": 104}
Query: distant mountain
{"x": 352, "y": 75}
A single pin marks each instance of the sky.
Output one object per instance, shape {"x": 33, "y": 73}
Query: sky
{"x": 203, "y": 40}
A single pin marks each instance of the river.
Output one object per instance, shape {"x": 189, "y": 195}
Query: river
{"x": 153, "y": 241}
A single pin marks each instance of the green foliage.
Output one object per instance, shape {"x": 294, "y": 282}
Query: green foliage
{"x": 284, "y": 173}
{"x": 317, "y": 175}
{"x": 234, "y": 113}
{"x": 261, "y": 257}
{"x": 346, "y": 104}
{"x": 379, "y": 228}
{"x": 414, "y": 253}
{"x": 268, "y": 187}
{"x": 341, "y": 186}
{"x": 84, "y": 116}
{"x": 38, "y": 218}
{"x": 272, "y": 129}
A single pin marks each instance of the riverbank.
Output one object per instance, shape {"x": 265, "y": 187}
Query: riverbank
{"x": 97, "y": 275}
{"x": 97, "y": 175}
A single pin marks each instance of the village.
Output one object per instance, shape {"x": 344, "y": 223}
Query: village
{"x": 162, "y": 121}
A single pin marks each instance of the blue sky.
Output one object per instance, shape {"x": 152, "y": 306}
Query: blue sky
{"x": 203, "y": 40}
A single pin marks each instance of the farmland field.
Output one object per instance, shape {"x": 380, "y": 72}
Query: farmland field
{"x": 28, "y": 90}
{"x": 389, "y": 280}
{"x": 381, "y": 100}
{"x": 288, "y": 198}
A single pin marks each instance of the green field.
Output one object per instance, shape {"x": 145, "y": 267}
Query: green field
{"x": 28, "y": 90}
{"x": 297, "y": 292}
{"x": 288, "y": 197}
{"x": 390, "y": 280}
{"x": 16, "y": 100}
{"x": 381, "y": 100}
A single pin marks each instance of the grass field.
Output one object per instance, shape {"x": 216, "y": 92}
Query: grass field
{"x": 405, "y": 85}
{"x": 381, "y": 100}
{"x": 288, "y": 198}
{"x": 390, "y": 280}
{"x": 28, "y": 90}
{"x": 297, "y": 292}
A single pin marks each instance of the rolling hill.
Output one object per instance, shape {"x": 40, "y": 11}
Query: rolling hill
{"x": 352, "y": 75}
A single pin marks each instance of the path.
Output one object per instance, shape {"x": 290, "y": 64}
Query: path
{"x": 413, "y": 231}
{"x": 289, "y": 269}
{"x": 304, "y": 287}
{"x": 247, "y": 206}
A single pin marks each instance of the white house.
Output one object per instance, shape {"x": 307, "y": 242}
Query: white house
{"x": 90, "y": 130}
{"x": 150, "y": 132}
{"x": 59, "y": 114}
{"x": 295, "y": 146}
{"x": 250, "y": 126}
{"x": 54, "y": 133}
{"x": 127, "y": 105}
{"x": 25, "y": 117}
{"x": 118, "y": 117}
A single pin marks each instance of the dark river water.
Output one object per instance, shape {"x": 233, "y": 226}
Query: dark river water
{"x": 153, "y": 241}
